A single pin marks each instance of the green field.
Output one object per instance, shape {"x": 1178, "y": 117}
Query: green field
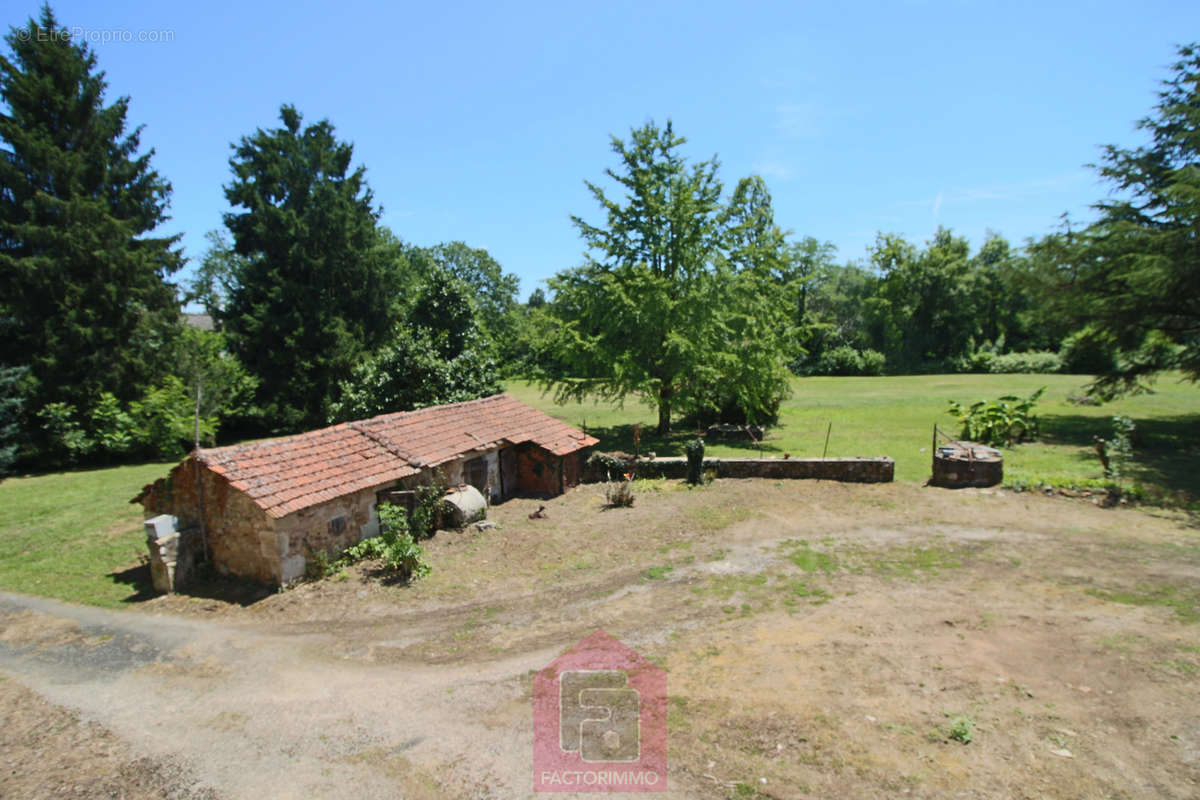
{"x": 74, "y": 536}
{"x": 894, "y": 416}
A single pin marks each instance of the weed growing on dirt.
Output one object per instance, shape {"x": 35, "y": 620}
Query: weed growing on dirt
{"x": 1185, "y": 668}
{"x": 659, "y": 572}
{"x": 962, "y": 729}
{"x": 317, "y": 565}
{"x": 760, "y": 592}
{"x": 676, "y": 706}
{"x": 801, "y": 590}
{"x": 1185, "y": 603}
{"x": 911, "y": 562}
{"x": 800, "y": 553}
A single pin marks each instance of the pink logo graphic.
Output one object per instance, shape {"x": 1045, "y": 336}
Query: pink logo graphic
{"x": 600, "y": 721}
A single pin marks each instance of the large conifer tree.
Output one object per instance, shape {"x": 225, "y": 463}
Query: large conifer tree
{"x": 1134, "y": 275}
{"x": 315, "y": 290}
{"x": 83, "y": 293}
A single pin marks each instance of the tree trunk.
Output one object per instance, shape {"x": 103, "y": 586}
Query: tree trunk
{"x": 664, "y": 412}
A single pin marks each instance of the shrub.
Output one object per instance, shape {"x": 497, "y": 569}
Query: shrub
{"x": 695, "y": 458}
{"x": 115, "y": 431}
{"x": 66, "y": 440}
{"x": 1116, "y": 451}
{"x": 842, "y": 360}
{"x": 394, "y": 546}
{"x": 619, "y": 494}
{"x": 727, "y": 411}
{"x": 427, "y": 513}
{"x": 999, "y": 422}
{"x": 607, "y": 462}
{"x": 164, "y": 420}
{"x": 873, "y": 362}
{"x": 979, "y": 361}
{"x": 1035, "y": 361}
{"x": 317, "y": 565}
{"x": 1088, "y": 351}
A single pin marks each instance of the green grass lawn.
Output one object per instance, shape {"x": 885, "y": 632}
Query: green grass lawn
{"x": 894, "y": 416}
{"x": 74, "y": 535}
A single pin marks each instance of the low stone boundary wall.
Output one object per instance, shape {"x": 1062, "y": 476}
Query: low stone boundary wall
{"x": 853, "y": 470}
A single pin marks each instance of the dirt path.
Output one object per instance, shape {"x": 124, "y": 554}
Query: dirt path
{"x": 835, "y": 641}
{"x": 249, "y": 714}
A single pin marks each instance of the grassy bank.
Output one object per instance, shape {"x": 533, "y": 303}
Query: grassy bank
{"x": 894, "y": 416}
{"x": 74, "y": 535}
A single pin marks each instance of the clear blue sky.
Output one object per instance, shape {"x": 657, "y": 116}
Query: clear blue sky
{"x": 480, "y": 121}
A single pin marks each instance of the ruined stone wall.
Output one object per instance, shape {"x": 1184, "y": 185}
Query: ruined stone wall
{"x": 854, "y": 470}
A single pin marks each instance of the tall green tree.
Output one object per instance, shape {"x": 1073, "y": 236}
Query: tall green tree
{"x": 12, "y": 404}
{"x": 494, "y": 290}
{"x": 216, "y": 276}
{"x": 657, "y": 308}
{"x": 1135, "y": 273}
{"x": 314, "y": 290}
{"x": 498, "y": 315}
{"x": 931, "y": 315}
{"x": 83, "y": 282}
{"x": 439, "y": 354}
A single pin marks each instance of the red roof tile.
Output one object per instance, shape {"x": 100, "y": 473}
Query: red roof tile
{"x": 292, "y": 473}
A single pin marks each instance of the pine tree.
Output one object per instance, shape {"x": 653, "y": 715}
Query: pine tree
{"x": 1135, "y": 273}
{"x": 315, "y": 290}
{"x": 82, "y": 285}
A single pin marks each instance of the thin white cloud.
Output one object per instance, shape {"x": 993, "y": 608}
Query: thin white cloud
{"x": 796, "y": 120}
{"x": 1010, "y": 191}
{"x": 804, "y": 120}
{"x": 776, "y": 170}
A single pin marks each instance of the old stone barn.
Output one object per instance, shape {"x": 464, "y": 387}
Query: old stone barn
{"x": 263, "y": 508}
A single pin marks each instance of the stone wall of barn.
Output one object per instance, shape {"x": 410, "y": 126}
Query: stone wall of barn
{"x": 240, "y": 536}
{"x": 327, "y": 528}
{"x": 454, "y": 473}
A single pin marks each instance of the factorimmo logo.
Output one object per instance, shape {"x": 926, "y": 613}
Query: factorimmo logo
{"x": 600, "y": 721}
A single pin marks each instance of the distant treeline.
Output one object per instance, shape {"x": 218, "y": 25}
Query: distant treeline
{"x": 691, "y": 298}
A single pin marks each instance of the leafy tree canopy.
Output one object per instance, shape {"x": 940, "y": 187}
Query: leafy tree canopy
{"x": 668, "y": 305}
{"x": 494, "y": 290}
{"x": 441, "y": 354}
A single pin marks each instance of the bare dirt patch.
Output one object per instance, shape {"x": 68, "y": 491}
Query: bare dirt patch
{"x": 50, "y": 752}
{"x": 820, "y": 639}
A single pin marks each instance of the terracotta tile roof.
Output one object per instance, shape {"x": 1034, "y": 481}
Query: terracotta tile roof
{"x": 292, "y": 473}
